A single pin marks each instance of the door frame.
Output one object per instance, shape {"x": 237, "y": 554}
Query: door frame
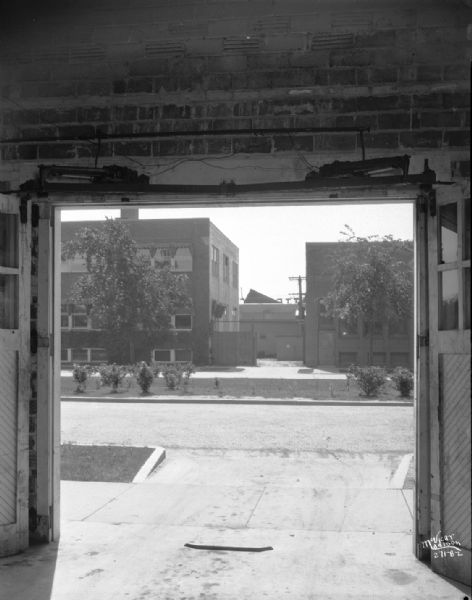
{"x": 407, "y": 194}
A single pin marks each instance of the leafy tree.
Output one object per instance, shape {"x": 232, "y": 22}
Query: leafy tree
{"x": 129, "y": 300}
{"x": 372, "y": 280}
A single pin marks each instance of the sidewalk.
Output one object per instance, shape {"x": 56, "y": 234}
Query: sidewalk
{"x": 249, "y": 400}
{"x": 127, "y": 541}
{"x": 274, "y": 371}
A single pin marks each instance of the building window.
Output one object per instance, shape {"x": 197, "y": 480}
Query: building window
{"x": 173, "y": 355}
{"x": 79, "y": 321}
{"x": 183, "y": 321}
{"x": 79, "y": 318}
{"x": 162, "y": 355}
{"x": 65, "y": 354}
{"x": 235, "y": 275}
{"x": 98, "y": 355}
{"x": 399, "y": 359}
{"x": 183, "y": 355}
{"x": 79, "y": 355}
{"x": 225, "y": 268}
{"x": 215, "y": 261}
{"x": 183, "y": 260}
{"x": 325, "y": 321}
{"x": 379, "y": 359}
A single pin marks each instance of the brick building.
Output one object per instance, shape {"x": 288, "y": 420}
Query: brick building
{"x": 331, "y": 342}
{"x": 194, "y": 247}
{"x": 278, "y": 331}
{"x": 166, "y": 88}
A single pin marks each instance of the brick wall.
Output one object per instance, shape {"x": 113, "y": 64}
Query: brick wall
{"x": 109, "y": 69}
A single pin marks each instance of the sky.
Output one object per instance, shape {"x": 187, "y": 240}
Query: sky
{"x": 271, "y": 240}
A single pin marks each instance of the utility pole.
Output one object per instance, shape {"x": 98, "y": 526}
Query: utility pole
{"x": 301, "y": 310}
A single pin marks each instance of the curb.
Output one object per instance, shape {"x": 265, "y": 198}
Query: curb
{"x": 240, "y": 401}
{"x": 151, "y": 463}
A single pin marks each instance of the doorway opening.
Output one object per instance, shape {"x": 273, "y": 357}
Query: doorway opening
{"x": 274, "y": 440}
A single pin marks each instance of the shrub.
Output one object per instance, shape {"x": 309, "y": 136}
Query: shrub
{"x": 156, "y": 368}
{"x": 113, "y": 375}
{"x": 188, "y": 369}
{"x": 144, "y": 377}
{"x": 80, "y": 374}
{"x": 369, "y": 379}
{"x": 403, "y": 380}
{"x": 173, "y": 378}
{"x": 174, "y": 373}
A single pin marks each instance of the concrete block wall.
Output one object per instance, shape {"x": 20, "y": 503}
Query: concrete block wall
{"x": 73, "y": 73}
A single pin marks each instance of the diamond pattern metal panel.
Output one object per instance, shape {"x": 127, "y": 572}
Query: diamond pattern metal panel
{"x": 455, "y": 447}
{"x": 8, "y": 435}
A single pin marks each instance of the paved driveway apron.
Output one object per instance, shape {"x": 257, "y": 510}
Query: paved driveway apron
{"x": 339, "y": 526}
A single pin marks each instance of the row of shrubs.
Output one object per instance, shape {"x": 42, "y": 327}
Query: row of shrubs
{"x": 174, "y": 374}
{"x": 371, "y": 380}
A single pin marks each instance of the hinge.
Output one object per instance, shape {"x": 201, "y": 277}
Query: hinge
{"x": 46, "y": 341}
{"x": 422, "y": 204}
{"x": 427, "y": 199}
{"x": 35, "y": 215}
{"x": 24, "y": 210}
{"x": 432, "y": 203}
{"x": 423, "y": 340}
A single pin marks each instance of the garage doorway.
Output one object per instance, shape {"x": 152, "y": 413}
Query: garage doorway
{"x": 426, "y": 254}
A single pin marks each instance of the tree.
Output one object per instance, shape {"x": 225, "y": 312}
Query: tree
{"x": 372, "y": 280}
{"x": 129, "y": 300}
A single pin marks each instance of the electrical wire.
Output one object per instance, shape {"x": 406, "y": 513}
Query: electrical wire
{"x": 172, "y": 166}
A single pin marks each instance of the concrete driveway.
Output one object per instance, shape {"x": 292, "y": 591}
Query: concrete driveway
{"x": 339, "y": 526}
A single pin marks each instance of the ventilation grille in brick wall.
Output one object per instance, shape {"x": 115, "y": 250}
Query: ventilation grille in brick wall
{"x": 188, "y": 28}
{"x": 272, "y": 26}
{"x": 241, "y": 45}
{"x": 153, "y": 49}
{"x": 87, "y": 54}
{"x": 321, "y": 41}
{"x": 355, "y": 20}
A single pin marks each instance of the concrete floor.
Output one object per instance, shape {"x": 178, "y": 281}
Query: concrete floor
{"x": 340, "y": 528}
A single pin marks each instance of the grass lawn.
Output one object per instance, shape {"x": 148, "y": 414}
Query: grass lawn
{"x": 102, "y": 463}
{"x": 315, "y": 389}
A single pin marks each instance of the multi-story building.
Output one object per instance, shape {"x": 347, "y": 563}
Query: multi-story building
{"x": 194, "y": 247}
{"x": 334, "y": 343}
{"x": 276, "y": 326}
